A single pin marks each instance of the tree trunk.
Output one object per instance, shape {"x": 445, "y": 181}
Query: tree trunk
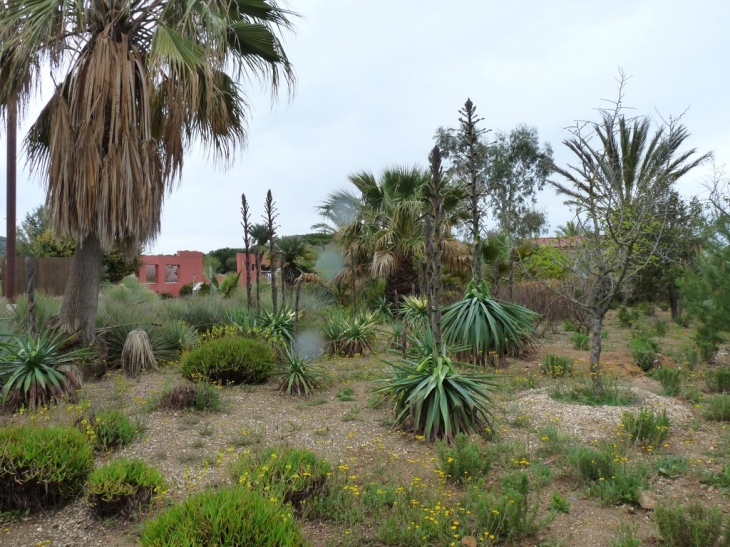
{"x": 296, "y": 306}
{"x": 511, "y": 272}
{"x": 283, "y": 285}
{"x": 274, "y": 293}
{"x": 12, "y": 148}
{"x": 675, "y": 302}
{"x": 81, "y": 297}
{"x": 258, "y": 283}
{"x": 495, "y": 282}
{"x": 596, "y": 374}
{"x": 400, "y": 281}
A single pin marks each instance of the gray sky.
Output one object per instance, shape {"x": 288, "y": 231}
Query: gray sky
{"x": 375, "y": 84}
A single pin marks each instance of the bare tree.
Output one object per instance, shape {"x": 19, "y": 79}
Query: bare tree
{"x": 269, "y": 216}
{"x": 246, "y": 224}
{"x": 433, "y": 249}
{"x": 615, "y": 189}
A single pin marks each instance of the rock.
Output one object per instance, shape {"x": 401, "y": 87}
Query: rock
{"x": 469, "y": 541}
{"x": 647, "y": 501}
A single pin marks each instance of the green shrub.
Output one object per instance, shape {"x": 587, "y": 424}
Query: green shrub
{"x": 719, "y": 408}
{"x": 643, "y": 352}
{"x": 715, "y": 478}
{"x": 592, "y": 465}
{"x": 687, "y": 356}
{"x": 625, "y": 536}
{"x": 646, "y": 308}
{"x": 348, "y": 335}
{"x": 672, "y": 465}
{"x": 229, "y": 360}
{"x": 107, "y": 429}
{"x": 230, "y": 517}
{"x": 290, "y": 474}
{"x": 627, "y": 317}
{"x": 185, "y": 290}
{"x": 465, "y": 461}
{"x": 664, "y": 306}
{"x": 559, "y": 504}
{"x": 718, "y": 380}
{"x": 277, "y": 327}
{"x": 199, "y": 396}
{"x": 509, "y": 515}
{"x": 123, "y": 488}
{"x": 624, "y": 486}
{"x": 581, "y": 342}
{"x": 557, "y": 366}
{"x": 42, "y": 467}
{"x": 661, "y": 327}
{"x": 671, "y": 380}
{"x": 646, "y": 426}
{"x": 693, "y": 525}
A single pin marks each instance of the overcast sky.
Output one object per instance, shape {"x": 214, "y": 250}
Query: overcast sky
{"x": 376, "y": 79}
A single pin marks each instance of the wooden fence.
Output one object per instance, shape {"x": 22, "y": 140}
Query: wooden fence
{"x": 51, "y": 275}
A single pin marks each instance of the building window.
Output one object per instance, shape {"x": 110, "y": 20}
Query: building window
{"x": 151, "y": 274}
{"x": 171, "y": 273}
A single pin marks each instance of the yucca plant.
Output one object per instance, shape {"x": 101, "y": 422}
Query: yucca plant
{"x": 359, "y": 334}
{"x": 277, "y": 326}
{"x": 434, "y": 400}
{"x": 334, "y": 329}
{"x": 485, "y": 325}
{"x": 137, "y": 354}
{"x": 297, "y": 376}
{"x": 414, "y": 310}
{"x": 34, "y": 371}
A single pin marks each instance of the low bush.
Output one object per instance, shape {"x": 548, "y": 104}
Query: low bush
{"x": 289, "y": 474}
{"x": 230, "y": 359}
{"x": 643, "y": 352}
{"x": 718, "y": 380}
{"x": 185, "y": 290}
{"x": 671, "y": 380}
{"x": 695, "y": 525}
{"x": 625, "y": 536}
{"x": 661, "y": 327}
{"x": 645, "y": 427}
{"x": 507, "y": 516}
{"x": 627, "y": 317}
{"x": 581, "y": 342}
{"x": 349, "y": 336}
{"x": 465, "y": 461}
{"x": 557, "y": 366}
{"x": 42, "y": 467}
{"x": 719, "y": 408}
{"x": 624, "y": 486}
{"x": 646, "y": 308}
{"x": 686, "y": 356}
{"x": 123, "y": 488}
{"x": 229, "y": 517}
{"x": 592, "y": 465}
{"x": 108, "y": 429}
{"x": 199, "y": 396}
{"x": 672, "y": 465}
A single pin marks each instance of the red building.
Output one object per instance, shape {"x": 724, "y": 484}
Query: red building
{"x": 241, "y": 259}
{"x": 167, "y": 273}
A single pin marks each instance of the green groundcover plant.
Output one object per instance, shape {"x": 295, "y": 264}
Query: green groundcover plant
{"x": 231, "y": 359}
{"x": 229, "y": 517}
{"x": 42, "y": 467}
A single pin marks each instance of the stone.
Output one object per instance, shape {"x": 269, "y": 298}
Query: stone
{"x": 647, "y": 500}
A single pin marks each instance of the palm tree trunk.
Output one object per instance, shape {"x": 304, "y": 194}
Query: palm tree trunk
{"x": 12, "y": 148}
{"x": 283, "y": 284}
{"x": 511, "y": 272}
{"x": 495, "y": 283}
{"x": 258, "y": 283}
{"x": 81, "y": 297}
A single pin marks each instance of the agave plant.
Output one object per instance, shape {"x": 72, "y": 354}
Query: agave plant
{"x": 432, "y": 399}
{"x": 34, "y": 371}
{"x": 298, "y": 377}
{"x": 277, "y": 326}
{"x": 486, "y": 326}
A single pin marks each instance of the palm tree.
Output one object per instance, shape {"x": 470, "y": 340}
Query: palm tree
{"x": 138, "y": 82}
{"x": 260, "y": 235}
{"x": 388, "y": 225}
{"x": 292, "y": 249}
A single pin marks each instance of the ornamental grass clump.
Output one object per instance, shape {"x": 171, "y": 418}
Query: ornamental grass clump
{"x": 123, "y": 488}
{"x": 290, "y": 475}
{"x": 201, "y": 397}
{"x": 465, "y": 461}
{"x": 228, "y": 517}
{"x": 108, "y": 429}
{"x": 137, "y": 354}
{"x": 718, "y": 408}
{"x": 41, "y": 468}
{"x": 35, "y": 371}
{"x": 230, "y": 359}
{"x": 671, "y": 380}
